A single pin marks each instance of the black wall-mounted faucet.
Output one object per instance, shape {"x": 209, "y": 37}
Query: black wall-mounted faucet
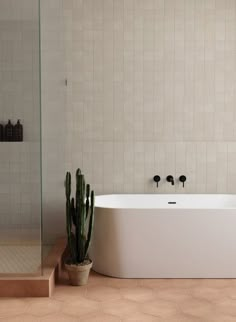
{"x": 182, "y": 179}
{"x": 170, "y": 179}
{"x": 157, "y": 179}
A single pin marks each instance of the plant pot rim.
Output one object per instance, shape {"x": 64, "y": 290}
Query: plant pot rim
{"x": 86, "y": 265}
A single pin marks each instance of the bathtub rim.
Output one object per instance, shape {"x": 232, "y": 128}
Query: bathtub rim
{"x": 170, "y": 207}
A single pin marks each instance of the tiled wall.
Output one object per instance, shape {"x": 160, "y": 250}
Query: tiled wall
{"x": 19, "y": 99}
{"x": 53, "y": 117}
{"x": 152, "y": 90}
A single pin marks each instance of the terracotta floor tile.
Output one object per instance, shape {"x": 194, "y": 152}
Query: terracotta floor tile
{"x": 173, "y": 294}
{"x": 100, "y": 317}
{"x": 80, "y": 306}
{"x": 232, "y": 282}
{"x": 184, "y": 318}
{"x": 21, "y": 318}
{"x": 97, "y": 279}
{"x": 141, "y": 317}
{"x": 122, "y": 282}
{"x": 196, "y": 307}
{"x": 120, "y": 308}
{"x": 160, "y": 308}
{"x": 216, "y": 317}
{"x": 227, "y": 306}
{"x": 102, "y": 293}
{"x": 68, "y": 293}
{"x": 168, "y": 283}
{"x": 11, "y": 307}
{"x": 229, "y": 292}
{"x": 155, "y": 283}
{"x": 43, "y": 306}
{"x": 60, "y": 317}
{"x": 183, "y": 282}
{"x": 207, "y": 293}
{"x": 214, "y": 283}
{"x": 138, "y": 294}
{"x": 107, "y": 299}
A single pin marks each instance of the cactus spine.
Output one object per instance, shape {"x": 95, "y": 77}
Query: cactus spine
{"x": 79, "y": 218}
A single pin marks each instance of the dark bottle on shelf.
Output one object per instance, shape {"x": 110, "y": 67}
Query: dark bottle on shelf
{"x": 1, "y": 133}
{"x": 9, "y": 128}
{"x": 18, "y": 132}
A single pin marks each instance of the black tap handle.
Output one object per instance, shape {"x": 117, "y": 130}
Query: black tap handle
{"x": 157, "y": 179}
{"x": 182, "y": 179}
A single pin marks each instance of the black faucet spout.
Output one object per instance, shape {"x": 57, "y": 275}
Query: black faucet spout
{"x": 171, "y": 180}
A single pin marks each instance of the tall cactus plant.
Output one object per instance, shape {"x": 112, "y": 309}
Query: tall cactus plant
{"x": 79, "y": 218}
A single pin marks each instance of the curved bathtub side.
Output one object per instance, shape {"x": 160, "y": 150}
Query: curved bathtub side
{"x": 164, "y": 243}
{"x": 124, "y": 241}
{"x": 107, "y": 249}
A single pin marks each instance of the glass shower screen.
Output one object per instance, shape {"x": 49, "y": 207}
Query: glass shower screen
{"x": 20, "y": 158}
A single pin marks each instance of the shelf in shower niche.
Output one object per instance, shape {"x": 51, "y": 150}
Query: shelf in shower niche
{"x": 13, "y": 143}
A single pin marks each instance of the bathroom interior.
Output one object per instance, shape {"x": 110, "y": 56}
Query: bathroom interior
{"x": 140, "y": 95}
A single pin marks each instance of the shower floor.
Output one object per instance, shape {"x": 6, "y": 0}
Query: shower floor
{"x": 21, "y": 259}
{"x": 21, "y": 251}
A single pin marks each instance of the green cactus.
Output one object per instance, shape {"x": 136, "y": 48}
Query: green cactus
{"x": 79, "y": 218}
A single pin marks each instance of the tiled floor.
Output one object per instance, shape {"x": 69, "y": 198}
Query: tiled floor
{"x": 106, "y": 299}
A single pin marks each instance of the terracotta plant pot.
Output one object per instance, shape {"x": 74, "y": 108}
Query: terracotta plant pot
{"x": 78, "y": 274}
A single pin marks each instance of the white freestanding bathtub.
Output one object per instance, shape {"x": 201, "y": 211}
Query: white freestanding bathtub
{"x": 165, "y": 236}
